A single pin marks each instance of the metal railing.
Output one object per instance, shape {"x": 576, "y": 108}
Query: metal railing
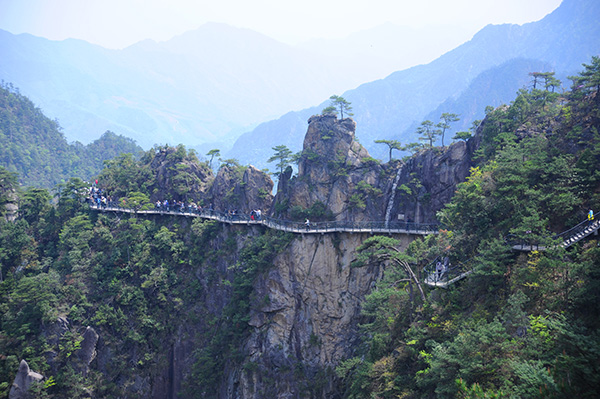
{"x": 442, "y": 272}
{"x": 280, "y": 224}
{"x": 566, "y": 238}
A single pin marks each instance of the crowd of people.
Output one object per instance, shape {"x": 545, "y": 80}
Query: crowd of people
{"x": 97, "y": 197}
{"x": 177, "y": 206}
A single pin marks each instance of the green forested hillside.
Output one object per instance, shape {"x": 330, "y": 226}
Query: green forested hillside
{"x": 33, "y": 145}
{"x": 523, "y": 324}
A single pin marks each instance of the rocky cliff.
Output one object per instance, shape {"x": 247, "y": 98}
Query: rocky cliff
{"x": 193, "y": 308}
{"x": 337, "y": 178}
{"x": 310, "y": 321}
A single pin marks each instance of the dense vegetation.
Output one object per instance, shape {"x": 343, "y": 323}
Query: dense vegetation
{"x": 34, "y": 147}
{"x": 137, "y": 282}
{"x": 523, "y": 324}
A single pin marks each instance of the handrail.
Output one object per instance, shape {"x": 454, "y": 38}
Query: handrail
{"x": 567, "y": 237}
{"x": 284, "y": 225}
{"x": 442, "y": 278}
{"x": 447, "y": 274}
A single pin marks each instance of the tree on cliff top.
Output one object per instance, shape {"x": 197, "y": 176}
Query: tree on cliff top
{"x": 427, "y": 132}
{"x": 215, "y": 152}
{"x": 283, "y": 156}
{"x": 392, "y": 145}
{"x": 444, "y": 123}
{"x": 339, "y": 103}
{"x": 588, "y": 81}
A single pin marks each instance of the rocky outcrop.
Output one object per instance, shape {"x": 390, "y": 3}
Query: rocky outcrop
{"x": 337, "y": 173}
{"x": 308, "y": 321}
{"x": 10, "y": 206}
{"x": 179, "y": 176}
{"x": 428, "y": 181}
{"x": 87, "y": 352}
{"x": 53, "y": 333}
{"x": 23, "y": 380}
{"x": 242, "y": 189}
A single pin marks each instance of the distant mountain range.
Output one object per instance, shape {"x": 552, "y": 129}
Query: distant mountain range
{"x": 487, "y": 70}
{"x": 210, "y": 84}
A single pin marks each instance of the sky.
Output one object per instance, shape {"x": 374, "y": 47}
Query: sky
{"x": 119, "y": 23}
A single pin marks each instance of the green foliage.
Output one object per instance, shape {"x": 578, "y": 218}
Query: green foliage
{"x": 444, "y": 124}
{"x": 34, "y": 146}
{"x": 215, "y": 152}
{"x": 341, "y": 105}
{"x": 339, "y": 165}
{"x": 588, "y": 81}
{"x": 317, "y": 212}
{"x": 283, "y": 156}
{"x": 462, "y": 136}
{"x": 329, "y": 110}
{"x": 137, "y": 201}
{"x": 521, "y": 325}
{"x": 427, "y": 132}
{"x": 392, "y": 145}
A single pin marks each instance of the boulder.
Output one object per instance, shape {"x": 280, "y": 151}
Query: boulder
{"x": 87, "y": 351}
{"x": 23, "y": 380}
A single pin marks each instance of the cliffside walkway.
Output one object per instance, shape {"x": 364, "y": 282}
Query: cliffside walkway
{"x": 287, "y": 225}
{"x": 440, "y": 273}
{"x": 568, "y": 237}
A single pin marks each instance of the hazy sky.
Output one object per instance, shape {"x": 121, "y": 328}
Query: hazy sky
{"x": 119, "y": 23}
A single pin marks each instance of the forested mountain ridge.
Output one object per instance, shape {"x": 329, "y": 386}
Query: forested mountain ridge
{"x": 523, "y": 324}
{"x": 486, "y": 70}
{"x": 165, "y": 306}
{"x": 34, "y": 146}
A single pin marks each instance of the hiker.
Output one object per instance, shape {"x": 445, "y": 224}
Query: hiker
{"x": 439, "y": 269}
{"x": 590, "y": 217}
{"x": 307, "y": 224}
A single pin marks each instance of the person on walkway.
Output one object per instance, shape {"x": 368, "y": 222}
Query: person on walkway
{"x": 590, "y": 217}
{"x": 307, "y": 224}
{"x": 446, "y": 265}
{"x": 439, "y": 268}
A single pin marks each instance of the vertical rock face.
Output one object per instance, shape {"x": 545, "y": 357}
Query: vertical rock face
{"x": 87, "y": 352}
{"x": 243, "y": 189}
{"x": 335, "y": 172}
{"x": 11, "y": 207}
{"x": 309, "y": 318}
{"x": 428, "y": 181}
{"x": 188, "y": 180}
{"x": 23, "y": 380}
